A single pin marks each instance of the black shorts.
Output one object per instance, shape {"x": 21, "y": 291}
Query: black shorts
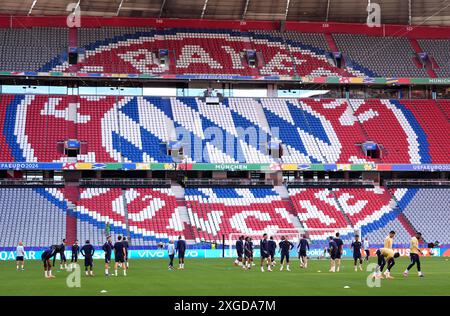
{"x": 88, "y": 262}
{"x": 248, "y": 255}
{"x": 285, "y": 257}
{"x": 181, "y": 255}
{"x": 19, "y": 258}
{"x": 357, "y": 255}
{"x": 107, "y": 259}
{"x": 119, "y": 259}
{"x": 272, "y": 254}
{"x": 240, "y": 254}
{"x": 302, "y": 253}
{"x": 264, "y": 255}
{"x": 333, "y": 255}
{"x": 338, "y": 255}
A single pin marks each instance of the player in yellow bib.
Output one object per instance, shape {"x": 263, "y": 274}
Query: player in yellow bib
{"x": 389, "y": 240}
{"x": 414, "y": 255}
{"x": 385, "y": 255}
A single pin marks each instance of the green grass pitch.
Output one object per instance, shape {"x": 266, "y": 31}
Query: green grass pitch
{"x": 218, "y": 277}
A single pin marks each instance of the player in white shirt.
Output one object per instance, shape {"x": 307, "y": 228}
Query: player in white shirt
{"x": 20, "y": 255}
{"x": 171, "y": 252}
{"x": 366, "y": 248}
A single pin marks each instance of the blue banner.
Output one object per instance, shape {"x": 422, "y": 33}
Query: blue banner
{"x": 31, "y": 165}
{"x": 206, "y": 166}
{"x": 421, "y": 167}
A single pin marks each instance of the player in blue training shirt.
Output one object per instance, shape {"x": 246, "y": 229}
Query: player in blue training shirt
{"x": 62, "y": 255}
{"x": 356, "y": 247}
{"x": 248, "y": 253}
{"x": 88, "y": 253}
{"x": 46, "y": 256}
{"x": 272, "y": 249}
{"x": 181, "y": 249}
{"x": 107, "y": 248}
{"x": 119, "y": 256}
{"x": 265, "y": 255}
{"x": 340, "y": 245}
{"x": 333, "y": 250}
{"x": 239, "y": 251}
{"x": 285, "y": 247}
{"x": 75, "y": 252}
{"x": 303, "y": 247}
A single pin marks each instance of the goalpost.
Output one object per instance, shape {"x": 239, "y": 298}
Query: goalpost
{"x": 318, "y": 237}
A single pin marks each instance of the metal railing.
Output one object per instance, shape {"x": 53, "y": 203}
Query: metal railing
{"x": 117, "y": 182}
{"x": 417, "y": 182}
{"x": 31, "y": 183}
{"x": 227, "y": 182}
{"x": 298, "y": 183}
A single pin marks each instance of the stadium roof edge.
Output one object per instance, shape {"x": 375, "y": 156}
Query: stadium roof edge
{"x": 417, "y": 12}
{"x": 311, "y": 27}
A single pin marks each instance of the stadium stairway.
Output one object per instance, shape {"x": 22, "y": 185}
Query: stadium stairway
{"x": 72, "y": 40}
{"x": 284, "y": 194}
{"x": 247, "y": 43}
{"x": 331, "y": 43}
{"x": 72, "y": 132}
{"x": 333, "y": 47}
{"x": 172, "y": 57}
{"x": 262, "y": 118}
{"x": 443, "y": 105}
{"x": 178, "y": 191}
{"x": 363, "y": 132}
{"x": 171, "y": 62}
{"x": 349, "y": 222}
{"x": 125, "y": 209}
{"x": 407, "y": 224}
{"x": 72, "y": 195}
{"x": 401, "y": 217}
{"x": 361, "y": 128}
{"x": 292, "y": 57}
{"x": 293, "y": 216}
{"x": 429, "y": 66}
{"x": 282, "y": 191}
